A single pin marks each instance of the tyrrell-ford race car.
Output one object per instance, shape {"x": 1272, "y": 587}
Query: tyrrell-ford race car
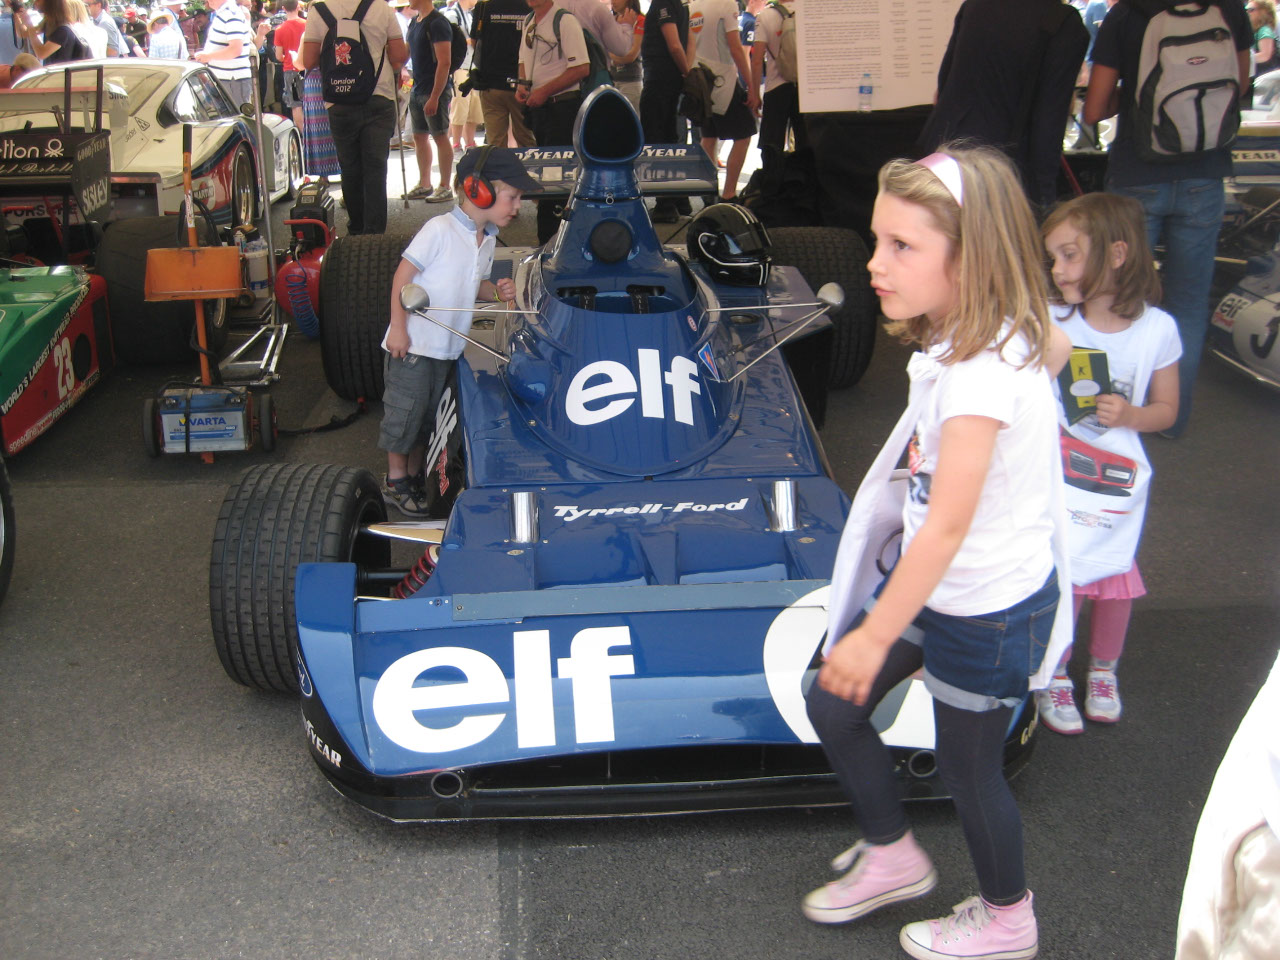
{"x": 623, "y": 605}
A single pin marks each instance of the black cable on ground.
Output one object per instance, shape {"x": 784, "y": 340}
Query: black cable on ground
{"x": 335, "y": 422}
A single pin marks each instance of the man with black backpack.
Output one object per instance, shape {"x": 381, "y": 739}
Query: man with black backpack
{"x": 553, "y": 63}
{"x": 498, "y": 26}
{"x": 431, "y": 42}
{"x": 1172, "y": 158}
{"x": 358, "y": 47}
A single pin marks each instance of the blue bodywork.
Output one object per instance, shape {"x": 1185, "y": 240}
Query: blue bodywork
{"x": 648, "y": 648}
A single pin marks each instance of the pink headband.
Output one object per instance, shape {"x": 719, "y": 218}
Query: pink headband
{"x": 944, "y": 167}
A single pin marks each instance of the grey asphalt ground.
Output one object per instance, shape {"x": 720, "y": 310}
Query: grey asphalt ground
{"x": 152, "y": 808}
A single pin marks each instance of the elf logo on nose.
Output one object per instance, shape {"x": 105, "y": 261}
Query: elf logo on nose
{"x": 587, "y": 404}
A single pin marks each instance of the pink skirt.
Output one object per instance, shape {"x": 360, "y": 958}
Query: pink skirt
{"x": 1120, "y": 586}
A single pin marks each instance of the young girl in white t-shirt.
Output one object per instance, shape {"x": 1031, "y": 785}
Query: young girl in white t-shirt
{"x": 974, "y": 597}
{"x": 1122, "y": 381}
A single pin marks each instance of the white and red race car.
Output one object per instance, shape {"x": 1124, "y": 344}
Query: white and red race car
{"x": 146, "y": 104}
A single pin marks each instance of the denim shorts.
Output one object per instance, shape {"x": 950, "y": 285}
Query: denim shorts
{"x": 438, "y": 122}
{"x": 983, "y": 662}
{"x": 413, "y": 386}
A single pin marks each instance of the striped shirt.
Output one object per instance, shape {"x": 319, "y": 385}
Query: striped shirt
{"x": 229, "y": 22}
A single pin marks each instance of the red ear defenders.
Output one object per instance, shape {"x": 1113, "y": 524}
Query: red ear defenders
{"x": 476, "y": 186}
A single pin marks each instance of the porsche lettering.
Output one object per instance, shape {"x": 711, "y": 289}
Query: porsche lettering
{"x": 404, "y": 710}
{"x": 620, "y": 383}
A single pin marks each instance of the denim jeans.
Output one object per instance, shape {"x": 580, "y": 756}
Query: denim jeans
{"x": 1186, "y": 215}
{"x": 362, "y": 135}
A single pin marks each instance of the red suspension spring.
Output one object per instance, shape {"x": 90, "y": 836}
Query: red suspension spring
{"x": 417, "y": 576}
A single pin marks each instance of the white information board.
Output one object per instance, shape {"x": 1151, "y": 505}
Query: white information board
{"x": 900, "y": 44}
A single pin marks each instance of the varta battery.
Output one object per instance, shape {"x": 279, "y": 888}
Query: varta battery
{"x": 204, "y": 419}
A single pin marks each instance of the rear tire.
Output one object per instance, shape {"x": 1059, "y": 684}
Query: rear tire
{"x": 824, "y": 254}
{"x": 160, "y": 331}
{"x": 355, "y": 308}
{"x": 276, "y": 517}
{"x": 8, "y": 530}
{"x": 293, "y": 166}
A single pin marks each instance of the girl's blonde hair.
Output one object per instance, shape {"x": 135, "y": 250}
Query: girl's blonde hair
{"x": 1108, "y": 218}
{"x": 77, "y": 12}
{"x": 995, "y": 255}
{"x": 1268, "y": 10}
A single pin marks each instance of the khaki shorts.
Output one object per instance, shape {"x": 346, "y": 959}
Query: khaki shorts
{"x": 466, "y": 109}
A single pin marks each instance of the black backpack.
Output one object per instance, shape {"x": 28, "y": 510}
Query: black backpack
{"x": 347, "y": 71}
{"x": 458, "y": 52}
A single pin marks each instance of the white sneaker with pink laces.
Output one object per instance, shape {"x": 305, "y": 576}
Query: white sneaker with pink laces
{"x": 1057, "y": 705}
{"x": 878, "y": 874}
{"x": 976, "y": 930}
{"x": 1103, "y": 702}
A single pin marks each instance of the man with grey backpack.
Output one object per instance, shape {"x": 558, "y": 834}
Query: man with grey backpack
{"x": 1175, "y": 73}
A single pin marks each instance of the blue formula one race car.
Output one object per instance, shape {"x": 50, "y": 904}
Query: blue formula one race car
{"x": 622, "y": 605}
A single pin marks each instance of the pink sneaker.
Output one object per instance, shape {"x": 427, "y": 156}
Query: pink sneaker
{"x": 977, "y": 931}
{"x": 879, "y": 874}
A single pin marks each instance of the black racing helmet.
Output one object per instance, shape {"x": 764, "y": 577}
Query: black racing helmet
{"x": 732, "y": 243}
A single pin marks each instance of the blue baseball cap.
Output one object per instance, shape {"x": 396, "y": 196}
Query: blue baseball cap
{"x": 500, "y": 164}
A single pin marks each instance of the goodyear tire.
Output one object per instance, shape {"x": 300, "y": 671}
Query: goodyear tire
{"x": 158, "y": 332}
{"x": 355, "y": 308}
{"x": 823, "y": 254}
{"x": 276, "y": 517}
{"x": 7, "y": 530}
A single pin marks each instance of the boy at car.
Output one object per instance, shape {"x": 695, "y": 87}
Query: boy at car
{"x": 450, "y": 258}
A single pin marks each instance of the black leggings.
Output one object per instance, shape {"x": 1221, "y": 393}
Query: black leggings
{"x": 970, "y": 753}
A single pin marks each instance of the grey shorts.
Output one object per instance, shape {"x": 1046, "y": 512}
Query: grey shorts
{"x": 412, "y": 392}
{"x": 291, "y": 89}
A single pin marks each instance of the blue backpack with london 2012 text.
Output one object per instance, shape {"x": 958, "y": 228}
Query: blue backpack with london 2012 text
{"x": 1187, "y": 97}
{"x": 347, "y": 71}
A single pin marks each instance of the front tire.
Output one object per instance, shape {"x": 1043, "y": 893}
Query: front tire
{"x": 8, "y": 531}
{"x": 276, "y": 517}
{"x": 355, "y": 308}
{"x": 824, "y": 254}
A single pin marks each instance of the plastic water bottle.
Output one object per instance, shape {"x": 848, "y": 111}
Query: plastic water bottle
{"x": 864, "y": 94}
{"x": 256, "y": 256}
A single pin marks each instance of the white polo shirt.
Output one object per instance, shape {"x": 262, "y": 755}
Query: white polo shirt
{"x": 450, "y": 267}
{"x": 542, "y": 57}
{"x": 379, "y": 23}
{"x": 769, "y": 32}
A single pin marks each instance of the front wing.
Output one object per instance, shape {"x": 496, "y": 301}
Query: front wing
{"x": 583, "y": 701}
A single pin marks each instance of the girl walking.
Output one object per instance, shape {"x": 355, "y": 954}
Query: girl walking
{"x": 974, "y": 597}
{"x": 1122, "y": 381}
